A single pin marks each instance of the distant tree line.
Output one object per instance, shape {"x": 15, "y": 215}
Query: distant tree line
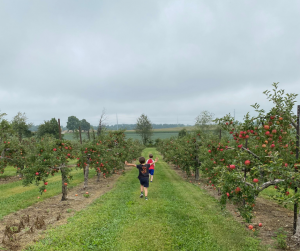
{"x": 34, "y": 128}
{"x": 143, "y": 126}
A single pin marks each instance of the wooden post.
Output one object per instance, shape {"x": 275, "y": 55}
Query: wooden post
{"x": 88, "y": 133}
{"x": 59, "y": 129}
{"x": 297, "y": 156}
{"x": 86, "y": 174}
{"x": 98, "y": 176}
{"x": 80, "y": 135}
{"x": 64, "y": 188}
{"x": 220, "y": 136}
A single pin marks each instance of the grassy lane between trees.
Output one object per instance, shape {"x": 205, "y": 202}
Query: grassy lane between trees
{"x": 10, "y": 171}
{"x": 14, "y": 196}
{"x": 177, "y": 216}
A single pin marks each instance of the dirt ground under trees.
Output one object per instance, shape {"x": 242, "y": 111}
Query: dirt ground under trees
{"x": 9, "y": 179}
{"x": 269, "y": 213}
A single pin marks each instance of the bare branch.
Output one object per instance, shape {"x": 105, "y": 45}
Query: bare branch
{"x": 102, "y": 123}
{"x": 266, "y": 184}
{"x": 269, "y": 183}
{"x": 249, "y": 184}
{"x": 245, "y": 149}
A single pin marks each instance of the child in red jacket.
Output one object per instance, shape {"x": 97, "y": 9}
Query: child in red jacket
{"x": 151, "y": 169}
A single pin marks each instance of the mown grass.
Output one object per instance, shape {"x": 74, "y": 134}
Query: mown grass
{"x": 270, "y": 192}
{"x": 14, "y": 196}
{"x": 9, "y": 171}
{"x": 177, "y": 216}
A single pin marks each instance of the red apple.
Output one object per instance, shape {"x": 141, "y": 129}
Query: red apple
{"x": 237, "y": 190}
{"x": 255, "y": 180}
{"x": 232, "y": 166}
{"x": 247, "y": 162}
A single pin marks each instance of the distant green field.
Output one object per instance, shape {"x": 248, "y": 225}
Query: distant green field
{"x": 173, "y": 129}
{"x": 133, "y": 135}
{"x": 157, "y": 133}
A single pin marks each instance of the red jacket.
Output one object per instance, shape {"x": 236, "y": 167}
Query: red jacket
{"x": 149, "y": 161}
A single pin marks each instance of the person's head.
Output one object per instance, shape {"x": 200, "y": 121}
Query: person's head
{"x": 142, "y": 160}
{"x": 150, "y": 155}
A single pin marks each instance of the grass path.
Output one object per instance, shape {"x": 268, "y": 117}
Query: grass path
{"x": 10, "y": 171}
{"x": 177, "y": 216}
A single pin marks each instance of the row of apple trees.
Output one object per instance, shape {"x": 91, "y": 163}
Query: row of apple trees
{"x": 36, "y": 160}
{"x": 107, "y": 154}
{"x": 260, "y": 152}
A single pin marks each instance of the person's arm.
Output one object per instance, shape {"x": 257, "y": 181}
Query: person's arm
{"x": 128, "y": 164}
{"x": 153, "y": 162}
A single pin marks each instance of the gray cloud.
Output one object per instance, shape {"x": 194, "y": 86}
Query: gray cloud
{"x": 167, "y": 59}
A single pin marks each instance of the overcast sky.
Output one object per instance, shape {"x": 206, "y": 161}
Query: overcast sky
{"x": 167, "y": 59}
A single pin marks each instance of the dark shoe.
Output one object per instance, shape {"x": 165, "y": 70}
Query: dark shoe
{"x": 146, "y": 198}
{"x": 141, "y": 196}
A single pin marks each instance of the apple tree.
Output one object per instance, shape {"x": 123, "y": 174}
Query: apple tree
{"x": 50, "y": 157}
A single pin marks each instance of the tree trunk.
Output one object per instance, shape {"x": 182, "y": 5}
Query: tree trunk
{"x": 197, "y": 173}
{"x": 296, "y": 236}
{"x": 98, "y": 177}
{"x": 86, "y": 177}
{"x": 21, "y": 174}
{"x": 64, "y": 188}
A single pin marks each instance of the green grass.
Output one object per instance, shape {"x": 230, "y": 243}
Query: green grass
{"x": 155, "y": 135}
{"x": 177, "y": 216}
{"x": 269, "y": 192}
{"x": 8, "y": 172}
{"x": 173, "y": 129}
{"x": 14, "y": 196}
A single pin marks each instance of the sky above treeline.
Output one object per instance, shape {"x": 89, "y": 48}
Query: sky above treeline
{"x": 167, "y": 59}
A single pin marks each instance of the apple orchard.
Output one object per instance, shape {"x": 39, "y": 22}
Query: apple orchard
{"x": 38, "y": 159}
{"x": 249, "y": 156}
{"x": 252, "y": 155}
